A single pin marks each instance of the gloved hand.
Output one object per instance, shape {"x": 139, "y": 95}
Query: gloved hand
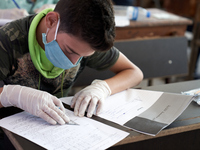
{"x": 13, "y": 13}
{"x": 91, "y": 96}
{"x": 38, "y": 103}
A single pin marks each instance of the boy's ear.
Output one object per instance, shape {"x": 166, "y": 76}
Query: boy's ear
{"x": 52, "y": 19}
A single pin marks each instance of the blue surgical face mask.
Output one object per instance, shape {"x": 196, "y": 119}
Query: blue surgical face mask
{"x": 55, "y": 54}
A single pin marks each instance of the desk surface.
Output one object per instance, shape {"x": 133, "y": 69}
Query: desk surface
{"x": 153, "y": 21}
{"x": 153, "y": 27}
{"x": 188, "y": 121}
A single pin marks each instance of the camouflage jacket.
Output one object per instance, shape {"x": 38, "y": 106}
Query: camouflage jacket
{"x": 16, "y": 66}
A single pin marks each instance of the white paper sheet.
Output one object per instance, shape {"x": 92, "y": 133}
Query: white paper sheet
{"x": 89, "y": 134}
{"x": 161, "y": 114}
{"x": 4, "y": 21}
{"x": 121, "y": 21}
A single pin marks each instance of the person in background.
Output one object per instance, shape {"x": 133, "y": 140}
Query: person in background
{"x": 16, "y": 9}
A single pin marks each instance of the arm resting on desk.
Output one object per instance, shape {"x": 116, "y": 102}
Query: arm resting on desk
{"x": 127, "y": 75}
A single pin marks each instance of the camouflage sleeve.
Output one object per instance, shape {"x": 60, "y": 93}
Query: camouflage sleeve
{"x": 5, "y": 50}
{"x": 103, "y": 60}
{"x": 13, "y": 44}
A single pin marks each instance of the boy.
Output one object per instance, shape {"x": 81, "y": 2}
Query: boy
{"x": 49, "y": 50}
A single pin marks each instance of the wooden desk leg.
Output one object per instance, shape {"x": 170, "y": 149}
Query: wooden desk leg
{"x": 193, "y": 61}
{"x": 150, "y": 82}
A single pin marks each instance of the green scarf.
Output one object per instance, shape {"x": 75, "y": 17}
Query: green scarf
{"x": 38, "y": 57}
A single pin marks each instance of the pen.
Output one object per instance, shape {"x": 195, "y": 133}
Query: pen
{"x": 16, "y": 4}
{"x": 72, "y": 123}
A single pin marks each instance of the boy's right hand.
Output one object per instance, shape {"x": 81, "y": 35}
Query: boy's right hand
{"x": 36, "y": 102}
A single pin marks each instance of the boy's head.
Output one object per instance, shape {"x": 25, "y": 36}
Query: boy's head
{"x": 90, "y": 20}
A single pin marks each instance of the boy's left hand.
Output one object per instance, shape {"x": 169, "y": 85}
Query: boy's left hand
{"x": 91, "y": 96}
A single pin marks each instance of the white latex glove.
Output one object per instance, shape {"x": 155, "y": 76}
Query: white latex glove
{"x": 36, "y": 102}
{"x": 90, "y": 97}
{"x": 13, "y": 13}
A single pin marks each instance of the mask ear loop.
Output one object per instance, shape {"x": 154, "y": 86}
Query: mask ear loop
{"x": 57, "y": 29}
{"x": 47, "y": 31}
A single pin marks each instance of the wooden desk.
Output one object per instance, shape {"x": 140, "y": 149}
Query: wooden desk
{"x": 185, "y": 128}
{"x": 153, "y": 27}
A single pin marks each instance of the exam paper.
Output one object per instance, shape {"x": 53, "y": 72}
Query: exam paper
{"x": 88, "y": 135}
{"x": 161, "y": 114}
{"x": 145, "y": 111}
{"x": 123, "y": 106}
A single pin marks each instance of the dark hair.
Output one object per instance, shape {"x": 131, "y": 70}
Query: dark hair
{"x": 90, "y": 20}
